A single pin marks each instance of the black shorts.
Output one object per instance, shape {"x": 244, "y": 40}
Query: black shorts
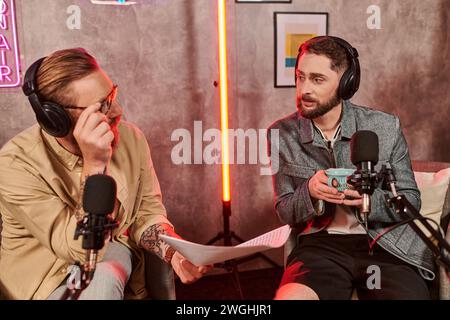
{"x": 334, "y": 264}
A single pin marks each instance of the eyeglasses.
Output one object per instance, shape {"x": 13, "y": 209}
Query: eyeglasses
{"x": 105, "y": 104}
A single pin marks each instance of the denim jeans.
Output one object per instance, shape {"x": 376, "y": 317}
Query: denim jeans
{"x": 111, "y": 276}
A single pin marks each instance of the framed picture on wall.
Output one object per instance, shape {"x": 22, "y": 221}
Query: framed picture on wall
{"x": 264, "y": 1}
{"x": 291, "y": 29}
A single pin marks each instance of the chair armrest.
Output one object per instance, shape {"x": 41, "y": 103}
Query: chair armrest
{"x": 159, "y": 275}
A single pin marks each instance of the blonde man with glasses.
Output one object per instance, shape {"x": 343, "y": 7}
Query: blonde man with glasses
{"x": 42, "y": 176}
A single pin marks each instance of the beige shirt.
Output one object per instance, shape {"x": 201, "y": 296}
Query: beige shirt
{"x": 39, "y": 192}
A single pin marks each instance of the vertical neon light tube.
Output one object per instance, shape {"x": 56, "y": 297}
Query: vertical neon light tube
{"x": 223, "y": 86}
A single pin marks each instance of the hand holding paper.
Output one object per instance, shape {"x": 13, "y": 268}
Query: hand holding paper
{"x": 203, "y": 255}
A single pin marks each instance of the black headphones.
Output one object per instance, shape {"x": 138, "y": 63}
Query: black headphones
{"x": 349, "y": 82}
{"x": 51, "y": 116}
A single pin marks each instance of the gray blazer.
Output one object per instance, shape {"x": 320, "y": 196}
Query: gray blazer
{"x": 300, "y": 151}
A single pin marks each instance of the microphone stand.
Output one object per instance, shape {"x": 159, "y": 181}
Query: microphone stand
{"x": 403, "y": 207}
{"x": 88, "y": 231}
{"x": 364, "y": 180}
{"x": 85, "y": 278}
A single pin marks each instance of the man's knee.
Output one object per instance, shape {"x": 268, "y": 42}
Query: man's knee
{"x": 296, "y": 291}
{"x": 108, "y": 283}
{"x": 113, "y": 271}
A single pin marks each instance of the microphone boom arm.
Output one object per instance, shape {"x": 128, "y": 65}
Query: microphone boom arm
{"x": 403, "y": 207}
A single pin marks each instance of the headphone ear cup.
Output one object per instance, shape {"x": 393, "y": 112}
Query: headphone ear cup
{"x": 54, "y": 120}
{"x": 349, "y": 83}
{"x": 346, "y": 85}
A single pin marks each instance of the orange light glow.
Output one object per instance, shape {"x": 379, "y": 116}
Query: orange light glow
{"x": 223, "y": 86}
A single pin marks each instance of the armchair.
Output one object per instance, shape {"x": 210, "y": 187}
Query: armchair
{"x": 428, "y": 183}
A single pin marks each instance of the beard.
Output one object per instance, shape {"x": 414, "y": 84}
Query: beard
{"x": 320, "y": 109}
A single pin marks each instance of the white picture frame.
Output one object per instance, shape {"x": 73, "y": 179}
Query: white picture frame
{"x": 291, "y": 29}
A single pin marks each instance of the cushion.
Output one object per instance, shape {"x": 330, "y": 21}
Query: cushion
{"x": 433, "y": 188}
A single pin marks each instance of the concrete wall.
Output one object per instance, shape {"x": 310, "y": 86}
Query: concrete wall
{"x": 163, "y": 56}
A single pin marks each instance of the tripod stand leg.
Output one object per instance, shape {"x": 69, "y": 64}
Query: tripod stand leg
{"x": 273, "y": 263}
{"x": 227, "y": 235}
{"x": 258, "y": 255}
{"x": 253, "y": 256}
{"x": 236, "y": 280}
{"x": 236, "y": 237}
{"x": 218, "y": 237}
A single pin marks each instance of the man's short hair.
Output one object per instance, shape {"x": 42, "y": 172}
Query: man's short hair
{"x": 331, "y": 49}
{"x": 59, "y": 70}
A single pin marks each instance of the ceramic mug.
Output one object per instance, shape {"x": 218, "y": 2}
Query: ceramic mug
{"x": 337, "y": 177}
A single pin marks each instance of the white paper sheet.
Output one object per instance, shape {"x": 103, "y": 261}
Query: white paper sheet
{"x": 200, "y": 254}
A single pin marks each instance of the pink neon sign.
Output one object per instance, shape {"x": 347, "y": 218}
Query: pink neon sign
{"x": 9, "y": 46}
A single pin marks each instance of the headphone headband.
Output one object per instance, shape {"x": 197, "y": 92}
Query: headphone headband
{"x": 29, "y": 86}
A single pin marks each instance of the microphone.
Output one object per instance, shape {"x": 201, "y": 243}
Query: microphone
{"x": 364, "y": 155}
{"x": 98, "y": 202}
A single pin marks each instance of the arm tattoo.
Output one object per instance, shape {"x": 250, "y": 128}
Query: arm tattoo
{"x": 151, "y": 241}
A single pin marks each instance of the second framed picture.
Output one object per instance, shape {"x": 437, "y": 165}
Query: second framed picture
{"x": 291, "y": 30}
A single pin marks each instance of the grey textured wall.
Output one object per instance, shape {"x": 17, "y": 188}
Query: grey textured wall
{"x": 163, "y": 56}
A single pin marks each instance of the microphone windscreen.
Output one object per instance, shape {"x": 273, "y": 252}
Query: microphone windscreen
{"x": 364, "y": 147}
{"x": 99, "y": 194}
